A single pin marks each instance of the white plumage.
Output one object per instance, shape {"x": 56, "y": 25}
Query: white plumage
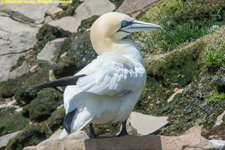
{"x": 114, "y": 80}
{"x": 108, "y": 88}
{"x": 109, "y": 92}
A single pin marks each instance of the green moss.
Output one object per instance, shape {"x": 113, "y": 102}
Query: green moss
{"x": 70, "y": 9}
{"x": 31, "y": 135}
{"x": 79, "y": 54}
{"x": 43, "y": 105}
{"x": 11, "y": 121}
{"x": 87, "y": 22}
{"x": 7, "y": 89}
{"x": 117, "y": 3}
{"x": 23, "y": 97}
{"x": 37, "y": 132}
{"x": 48, "y": 33}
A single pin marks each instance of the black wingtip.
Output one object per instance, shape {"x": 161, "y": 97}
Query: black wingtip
{"x": 71, "y": 80}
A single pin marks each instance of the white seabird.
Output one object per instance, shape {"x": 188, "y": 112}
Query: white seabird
{"x": 107, "y": 89}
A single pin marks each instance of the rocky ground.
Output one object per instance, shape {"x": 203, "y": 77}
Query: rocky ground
{"x": 185, "y": 64}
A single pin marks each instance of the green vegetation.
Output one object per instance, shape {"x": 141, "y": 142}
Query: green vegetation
{"x": 214, "y": 58}
{"x": 216, "y": 96}
{"x": 11, "y": 121}
{"x": 43, "y": 105}
{"x": 69, "y": 10}
{"x": 34, "y": 133}
{"x": 182, "y": 22}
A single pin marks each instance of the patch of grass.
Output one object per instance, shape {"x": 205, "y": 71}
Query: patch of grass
{"x": 182, "y": 22}
{"x": 215, "y": 97}
{"x": 214, "y": 58}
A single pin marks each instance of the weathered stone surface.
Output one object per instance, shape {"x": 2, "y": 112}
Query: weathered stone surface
{"x": 14, "y": 43}
{"x": 146, "y": 124}
{"x": 135, "y": 7}
{"x": 5, "y": 139}
{"x": 218, "y": 144}
{"x": 191, "y": 140}
{"x": 54, "y": 11}
{"x": 35, "y": 12}
{"x": 18, "y": 28}
{"x": 50, "y": 52}
{"x": 68, "y": 24}
{"x": 18, "y": 72}
{"x": 86, "y": 10}
{"x": 219, "y": 119}
{"x": 80, "y": 135}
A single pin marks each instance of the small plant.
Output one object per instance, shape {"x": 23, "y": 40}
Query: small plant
{"x": 214, "y": 58}
{"x": 216, "y": 96}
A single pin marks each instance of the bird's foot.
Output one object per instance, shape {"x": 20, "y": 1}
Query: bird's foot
{"x": 123, "y": 132}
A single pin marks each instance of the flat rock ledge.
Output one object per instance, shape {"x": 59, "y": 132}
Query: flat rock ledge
{"x": 190, "y": 140}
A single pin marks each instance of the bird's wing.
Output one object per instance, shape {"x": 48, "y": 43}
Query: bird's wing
{"x": 112, "y": 74}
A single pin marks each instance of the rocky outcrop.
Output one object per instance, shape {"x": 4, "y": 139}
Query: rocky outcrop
{"x": 86, "y": 10}
{"x": 5, "y": 139}
{"x": 135, "y": 7}
{"x": 191, "y": 139}
{"x": 18, "y": 28}
{"x": 27, "y": 11}
{"x": 15, "y": 42}
{"x": 145, "y": 124}
{"x": 50, "y": 52}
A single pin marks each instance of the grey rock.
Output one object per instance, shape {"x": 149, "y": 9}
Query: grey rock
{"x": 18, "y": 29}
{"x": 35, "y": 12}
{"x": 80, "y": 135}
{"x": 86, "y": 10}
{"x": 219, "y": 144}
{"x": 219, "y": 119}
{"x": 135, "y": 7}
{"x": 16, "y": 39}
{"x": 5, "y": 139}
{"x": 146, "y": 124}
{"x": 54, "y": 11}
{"x": 50, "y": 52}
{"x": 2, "y": 106}
{"x": 65, "y": 24}
{"x": 18, "y": 72}
{"x": 174, "y": 94}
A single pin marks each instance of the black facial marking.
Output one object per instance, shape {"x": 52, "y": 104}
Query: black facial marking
{"x": 124, "y": 23}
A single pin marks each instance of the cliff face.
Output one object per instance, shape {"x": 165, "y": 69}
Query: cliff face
{"x": 184, "y": 63}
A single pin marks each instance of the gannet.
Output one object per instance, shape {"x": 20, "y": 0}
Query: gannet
{"x": 107, "y": 89}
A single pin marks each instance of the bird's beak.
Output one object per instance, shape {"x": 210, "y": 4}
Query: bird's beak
{"x": 137, "y": 26}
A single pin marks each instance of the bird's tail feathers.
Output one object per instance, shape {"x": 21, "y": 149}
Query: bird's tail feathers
{"x": 63, "y": 134}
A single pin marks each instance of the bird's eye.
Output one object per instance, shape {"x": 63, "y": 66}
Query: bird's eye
{"x": 124, "y": 23}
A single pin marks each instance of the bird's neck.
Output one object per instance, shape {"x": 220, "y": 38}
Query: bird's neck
{"x": 124, "y": 47}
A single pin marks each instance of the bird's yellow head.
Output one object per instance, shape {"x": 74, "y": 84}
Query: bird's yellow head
{"x": 109, "y": 30}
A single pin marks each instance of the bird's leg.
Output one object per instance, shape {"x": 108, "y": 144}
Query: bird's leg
{"x": 123, "y": 132}
{"x": 92, "y": 132}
